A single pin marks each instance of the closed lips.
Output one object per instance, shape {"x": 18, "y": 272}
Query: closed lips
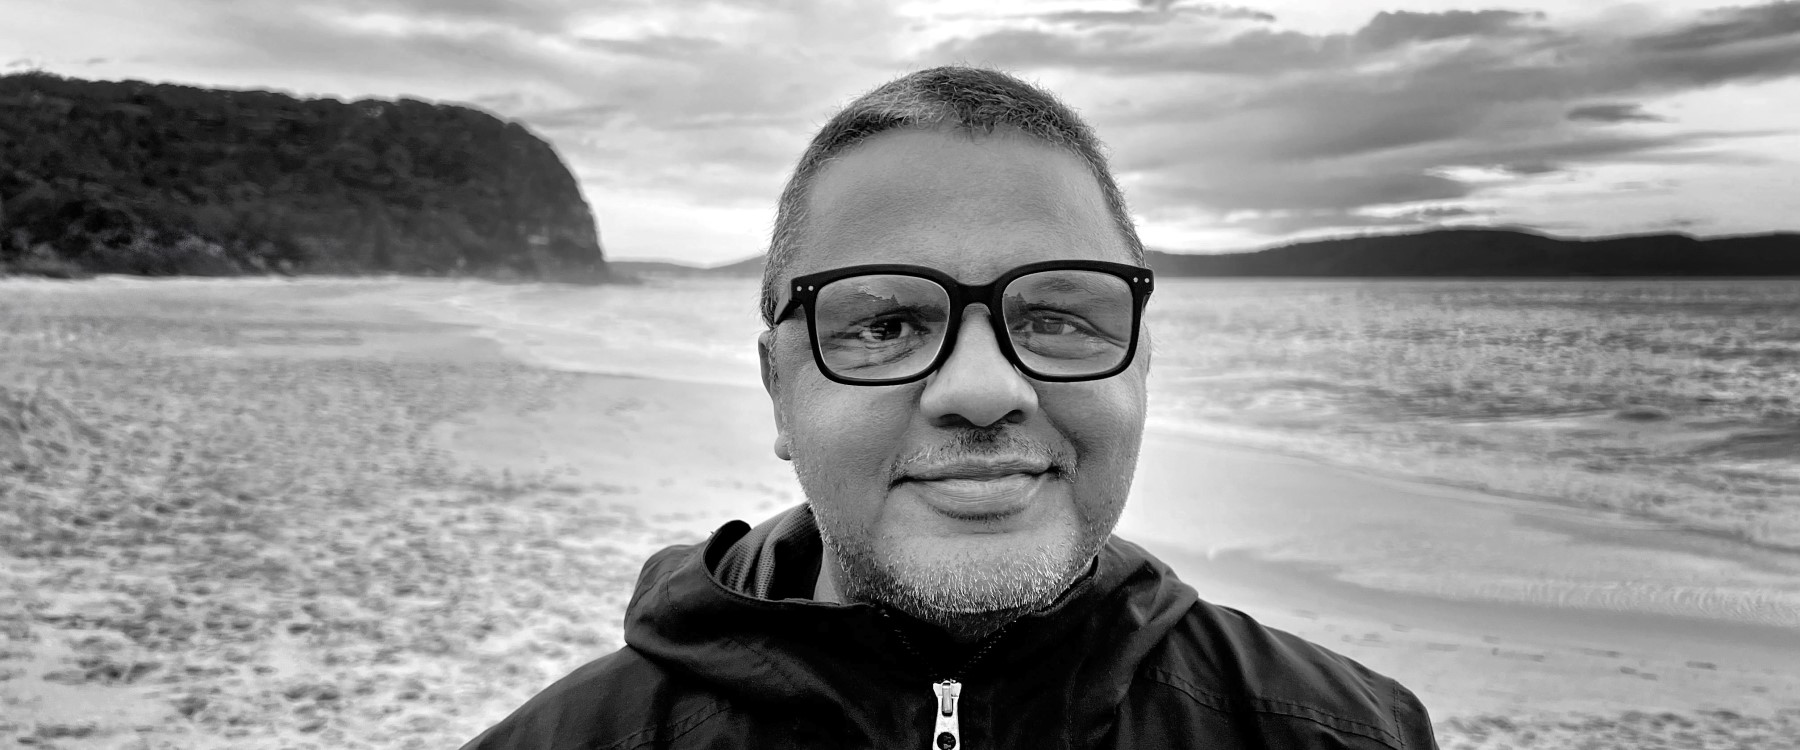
{"x": 982, "y": 489}
{"x": 979, "y": 491}
{"x": 977, "y": 471}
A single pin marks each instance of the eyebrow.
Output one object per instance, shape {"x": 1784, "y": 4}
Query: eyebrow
{"x": 1080, "y": 283}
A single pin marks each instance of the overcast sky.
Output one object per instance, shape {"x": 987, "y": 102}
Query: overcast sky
{"x": 1231, "y": 126}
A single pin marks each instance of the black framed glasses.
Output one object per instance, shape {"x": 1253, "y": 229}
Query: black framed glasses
{"x": 1057, "y": 321}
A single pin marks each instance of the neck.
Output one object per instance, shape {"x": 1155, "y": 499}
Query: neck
{"x": 826, "y": 589}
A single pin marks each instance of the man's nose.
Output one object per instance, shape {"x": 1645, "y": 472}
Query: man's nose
{"x": 977, "y": 385}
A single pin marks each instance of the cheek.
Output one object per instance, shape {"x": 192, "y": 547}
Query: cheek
{"x": 848, "y": 429}
{"x": 845, "y": 439}
{"x": 1104, "y": 421}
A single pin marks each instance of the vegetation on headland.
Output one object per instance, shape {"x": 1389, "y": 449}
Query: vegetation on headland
{"x": 155, "y": 179}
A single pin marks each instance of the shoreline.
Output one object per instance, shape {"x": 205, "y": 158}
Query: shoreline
{"x": 1211, "y": 434}
{"x": 1385, "y": 512}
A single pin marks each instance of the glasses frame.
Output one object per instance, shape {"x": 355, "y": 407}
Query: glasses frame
{"x": 806, "y": 288}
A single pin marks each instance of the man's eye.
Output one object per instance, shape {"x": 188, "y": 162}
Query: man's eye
{"x": 1053, "y": 324}
{"x": 885, "y": 330}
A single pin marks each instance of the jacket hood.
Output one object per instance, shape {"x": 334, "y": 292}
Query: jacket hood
{"x": 705, "y": 612}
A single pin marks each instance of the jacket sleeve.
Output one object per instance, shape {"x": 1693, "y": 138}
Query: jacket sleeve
{"x": 538, "y": 725}
{"x": 1414, "y": 720}
{"x": 608, "y": 700}
{"x": 500, "y": 736}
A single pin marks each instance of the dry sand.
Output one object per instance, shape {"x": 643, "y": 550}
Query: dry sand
{"x": 405, "y": 532}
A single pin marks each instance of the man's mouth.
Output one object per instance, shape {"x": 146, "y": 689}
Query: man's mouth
{"x": 978, "y": 470}
{"x": 979, "y": 490}
{"x": 976, "y": 490}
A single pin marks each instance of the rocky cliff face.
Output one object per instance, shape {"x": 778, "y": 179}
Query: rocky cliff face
{"x": 130, "y": 177}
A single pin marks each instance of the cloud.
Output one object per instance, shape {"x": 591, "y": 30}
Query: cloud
{"x": 536, "y": 16}
{"x": 1154, "y": 13}
{"x": 1113, "y": 52}
{"x": 1294, "y": 128}
{"x": 593, "y": 75}
{"x": 1436, "y": 213}
{"x": 1727, "y": 28}
{"x": 1614, "y": 113}
{"x": 1391, "y": 29}
{"x": 1188, "y": 42}
{"x": 1279, "y": 187}
{"x": 580, "y": 116}
{"x": 1317, "y": 222}
{"x": 660, "y": 47}
{"x": 1731, "y": 44}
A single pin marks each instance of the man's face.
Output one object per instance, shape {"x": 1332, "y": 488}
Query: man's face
{"x": 977, "y": 489}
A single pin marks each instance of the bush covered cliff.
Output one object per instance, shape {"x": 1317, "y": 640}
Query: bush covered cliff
{"x": 139, "y": 178}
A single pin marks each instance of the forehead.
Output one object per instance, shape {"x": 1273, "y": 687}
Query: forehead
{"x": 971, "y": 205}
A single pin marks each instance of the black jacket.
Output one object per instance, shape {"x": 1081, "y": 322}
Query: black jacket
{"x": 718, "y": 655}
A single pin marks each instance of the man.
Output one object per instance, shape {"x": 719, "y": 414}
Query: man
{"x": 957, "y": 363}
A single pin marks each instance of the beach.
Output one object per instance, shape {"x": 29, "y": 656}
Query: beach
{"x": 341, "y": 513}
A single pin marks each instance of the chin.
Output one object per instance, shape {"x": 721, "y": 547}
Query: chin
{"x": 980, "y": 573}
{"x": 944, "y": 570}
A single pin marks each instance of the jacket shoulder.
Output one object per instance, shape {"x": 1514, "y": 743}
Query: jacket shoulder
{"x": 1290, "y": 691}
{"x": 617, "y": 702}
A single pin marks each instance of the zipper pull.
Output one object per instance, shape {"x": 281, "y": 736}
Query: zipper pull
{"x": 947, "y": 736}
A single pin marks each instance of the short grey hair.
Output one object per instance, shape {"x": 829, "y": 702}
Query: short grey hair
{"x": 975, "y": 100}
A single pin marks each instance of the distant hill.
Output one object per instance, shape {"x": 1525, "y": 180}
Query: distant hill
{"x": 751, "y": 267}
{"x": 1501, "y": 253}
{"x": 139, "y": 178}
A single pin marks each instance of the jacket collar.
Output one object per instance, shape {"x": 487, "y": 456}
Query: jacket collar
{"x": 703, "y": 611}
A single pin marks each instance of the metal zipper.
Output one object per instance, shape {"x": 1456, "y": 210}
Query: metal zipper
{"x": 947, "y": 735}
{"x": 947, "y": 693}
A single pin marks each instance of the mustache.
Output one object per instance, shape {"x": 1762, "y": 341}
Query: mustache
{"x": 983, "y": 444}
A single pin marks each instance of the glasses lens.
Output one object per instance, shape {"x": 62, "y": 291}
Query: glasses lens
{"x": 1069, "y": 323}
{"x": 880, "y": 327}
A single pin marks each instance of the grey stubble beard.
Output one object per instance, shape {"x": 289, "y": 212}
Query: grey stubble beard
{"x": 968, "y": 599}
{"x": 968, "y": 602}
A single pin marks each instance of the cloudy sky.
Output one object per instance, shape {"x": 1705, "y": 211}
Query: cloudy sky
{"x": 1231, "y": 126}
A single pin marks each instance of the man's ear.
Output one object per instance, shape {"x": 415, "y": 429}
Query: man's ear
{"x": 765, "y": 357}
